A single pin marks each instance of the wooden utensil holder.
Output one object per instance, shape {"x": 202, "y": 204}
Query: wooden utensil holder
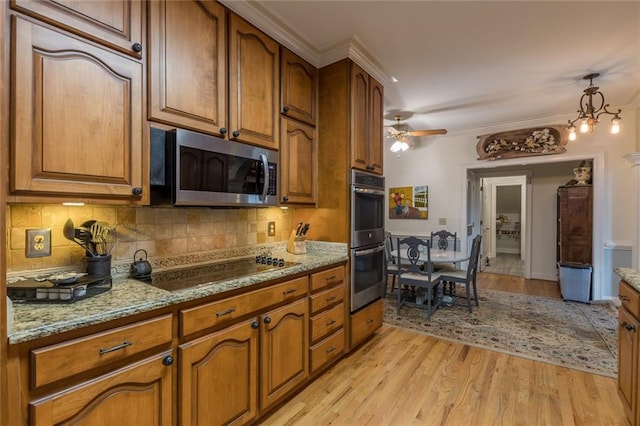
{"x": 296, "y": 245}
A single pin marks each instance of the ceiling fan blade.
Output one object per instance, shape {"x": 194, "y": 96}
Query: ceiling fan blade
{"x": 428, "y": 132}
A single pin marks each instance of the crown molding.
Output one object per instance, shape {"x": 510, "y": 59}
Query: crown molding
{"x": 633, "y": 158}
{"x": 354, "y": 49}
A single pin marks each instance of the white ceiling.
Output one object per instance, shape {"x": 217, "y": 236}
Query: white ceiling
{"x": 469, "y": 64}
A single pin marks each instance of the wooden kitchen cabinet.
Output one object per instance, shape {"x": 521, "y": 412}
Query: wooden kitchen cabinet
{"x": 365, "y": 322}
{"x": 254, "y": 85}
{"x": 76, "y": 116}
{"x": 219, "y": 372}
{"x": 219, "y": 376}
{"x": 187, "y": 65}
{"x": 117, "y": 24}
{"x": 629, "y": 351}
{"x": 366, "y": 121}
{"x": 299, "y": 87}
{"x": 139, "y": 394}
{"x": 328, "y": 315}
{"x": 298, "y": 163}
{"x": 284, "y": 346}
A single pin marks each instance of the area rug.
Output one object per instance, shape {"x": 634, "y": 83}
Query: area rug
{"x": 570, "y": 334}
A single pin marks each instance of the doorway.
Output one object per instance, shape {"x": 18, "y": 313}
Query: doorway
{"x": 504, "y": 222}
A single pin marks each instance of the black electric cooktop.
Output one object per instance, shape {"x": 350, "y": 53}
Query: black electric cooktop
{"x": 180, "y": 279}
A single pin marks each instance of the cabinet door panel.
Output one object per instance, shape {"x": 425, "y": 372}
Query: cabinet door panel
{"x": 298, "y": 160}
{"x": 219, "y": 377}
{"x": 284, "y": 351}
{"x": 628, "y": 361}
{"x": 117, "y": 23}
{"x": 359, "y": 114}
{"x": 136, "y": 395}
{"x": 299, "y": 88}
{"x": 254, "y": 85}
{"x": 376, "y": 111}
{"x": 188, "y": 90}
{"x": 77, "y": 116}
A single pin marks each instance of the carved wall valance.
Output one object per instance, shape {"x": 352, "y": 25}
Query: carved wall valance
{"x": 543, "y": 140}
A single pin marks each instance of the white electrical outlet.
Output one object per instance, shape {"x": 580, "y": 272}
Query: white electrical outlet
{"x": 38, "y": 243}
{"x": 271, "y": 229}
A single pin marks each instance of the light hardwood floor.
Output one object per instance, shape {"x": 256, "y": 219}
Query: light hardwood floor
{"x": 403, "y": 378}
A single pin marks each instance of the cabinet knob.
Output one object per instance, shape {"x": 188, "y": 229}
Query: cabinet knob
{"x": 628, "y": 326}
{"x": 167, "y": 360}
{"x": 236, "y": 133}
{"x": 137, "y": 47}
{"x": 137, "y": 191}
{"x": 267, "y": 320}
{"x": 285, "y": 198}
{"x": 223, "y": 130}
{"x": 285, "y": 109}
{"x": 255, "y": 325}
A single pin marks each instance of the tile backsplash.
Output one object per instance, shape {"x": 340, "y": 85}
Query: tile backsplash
{"x": 160, "y": 231}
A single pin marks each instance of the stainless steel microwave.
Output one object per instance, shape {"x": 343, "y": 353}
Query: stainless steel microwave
{"x": 193, "y": 169}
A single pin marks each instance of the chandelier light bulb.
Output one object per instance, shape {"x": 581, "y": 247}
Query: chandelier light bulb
{"x": 572, "y": 133}
{"x": 584, "y": 126}
{"x": 615, "y": 126}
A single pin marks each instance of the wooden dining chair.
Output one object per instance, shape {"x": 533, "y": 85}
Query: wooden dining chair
{"x": 440, "y": 239}
{"x": 391, "y": 262}
{"x": 418, "y": 276}
{"x": 467, "y": 276}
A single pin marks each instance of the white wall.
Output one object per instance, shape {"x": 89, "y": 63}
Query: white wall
{"x": 439, "y": 161}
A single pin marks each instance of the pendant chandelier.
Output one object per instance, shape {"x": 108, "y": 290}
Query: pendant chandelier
{"x": 590, "y": 113}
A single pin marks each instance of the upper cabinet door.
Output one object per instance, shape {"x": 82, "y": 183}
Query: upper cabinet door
{"x": 359, "y": 118}
{"x": 76, "y": 116}
{"x": 115, "y": 23}
{"x": 298, "y": 162}
{"x": 187, "y": 65}
{"x": 299, "y": 88}
{"x": 376, "y": 112}
{"x": 254, "y": 85}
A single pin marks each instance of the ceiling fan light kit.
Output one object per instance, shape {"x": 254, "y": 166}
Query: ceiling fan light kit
{"x": 589, "y": 114}
{"x": 401, "y": 136}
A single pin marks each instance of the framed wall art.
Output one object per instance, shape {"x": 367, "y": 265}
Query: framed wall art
{"x": 409, "y": 202}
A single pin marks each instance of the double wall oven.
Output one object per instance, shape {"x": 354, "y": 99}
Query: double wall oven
{"x": 367, "y": 238}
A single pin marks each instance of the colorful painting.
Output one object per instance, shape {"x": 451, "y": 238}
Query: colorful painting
{"x": 409, "y": 202}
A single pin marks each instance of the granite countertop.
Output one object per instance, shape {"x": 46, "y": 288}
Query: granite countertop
{"x": 129, "y": 297}
{"x": 631, "y": 276}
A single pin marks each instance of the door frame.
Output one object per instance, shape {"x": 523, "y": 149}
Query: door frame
{"x": 600, "y": 215}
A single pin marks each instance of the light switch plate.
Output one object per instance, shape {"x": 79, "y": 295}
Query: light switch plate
{"x": 271, "y": 229}
{"x": 38, "y": 242}
{"x": 442, "y": 221}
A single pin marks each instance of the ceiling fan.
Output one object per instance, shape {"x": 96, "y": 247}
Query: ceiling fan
{"x": 401, "y": 134}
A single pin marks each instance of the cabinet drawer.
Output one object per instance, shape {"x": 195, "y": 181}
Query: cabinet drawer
{"x": 326, "y": 298}
{"x": 327, "y": 278}
{"x": 327, "y": 322}
{"x": 629, "y": 298}
{"x": 365, "y": 322}
{"x": 63, "y": 360}
{"x": 327, "y": 350}
{"x": 202, "y": 317}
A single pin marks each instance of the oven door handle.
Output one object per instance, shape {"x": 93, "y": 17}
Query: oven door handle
{"x": 368, "y": 191}
{"x": 358, "y": 253}
{"x": 265, "y": 186}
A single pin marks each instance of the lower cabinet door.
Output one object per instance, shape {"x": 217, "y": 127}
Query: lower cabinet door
{"x": 139, "y": 394}
{"x": 219, "y": 377}
{"x": 628, "y": 362}
{"x": 284, "y": 346}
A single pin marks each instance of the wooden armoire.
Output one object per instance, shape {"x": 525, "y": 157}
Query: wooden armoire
{"x": 575, "y": 224}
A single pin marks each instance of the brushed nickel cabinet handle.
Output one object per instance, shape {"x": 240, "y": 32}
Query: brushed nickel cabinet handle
{"x": 329, "y": 299}
{"x": 123, "y": 345}
{"x": 330, "y": 322}
{"x": 286, "y": 292}
{"x": 330, "y": 277}
{"x": 369, "y": 321}
{"x": 226, "y": 312}
{"x": 331, "y": 349}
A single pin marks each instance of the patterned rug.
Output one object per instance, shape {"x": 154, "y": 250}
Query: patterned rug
{"x": 570, "y": 334}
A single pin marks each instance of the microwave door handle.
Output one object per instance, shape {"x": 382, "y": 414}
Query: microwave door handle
{"x": 358, "y": 253}
{"x": 265, "y": 185}
{"x": 369, "y": 191}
